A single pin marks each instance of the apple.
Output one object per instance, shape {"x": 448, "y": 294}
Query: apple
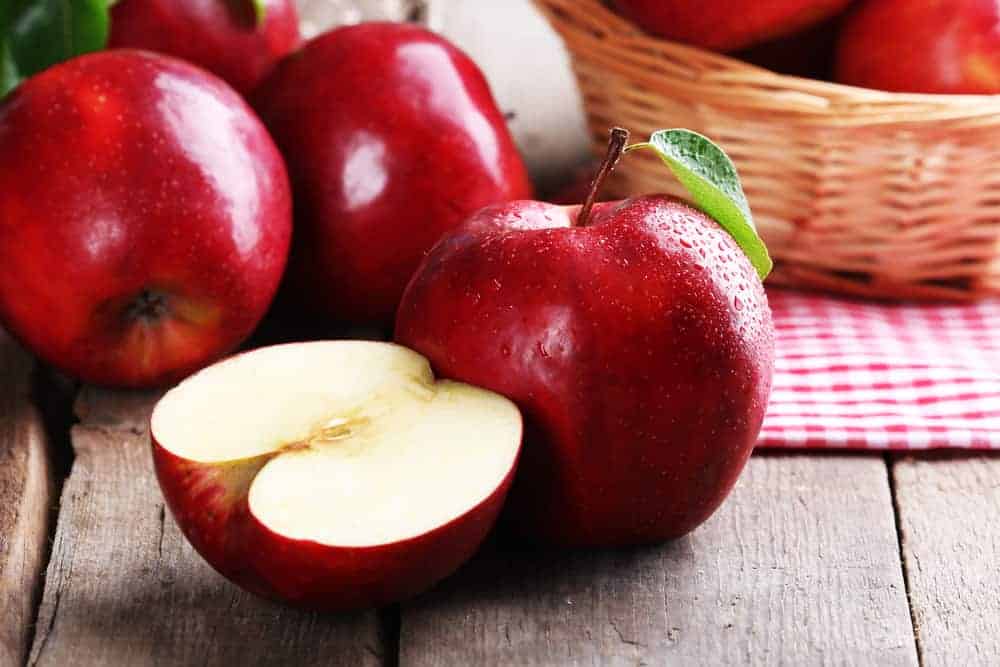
{"x": 333, "y": 475}
{"x": 727, "y": 25}
{"x": 231, "y": 38}
{"x": 922, "y": 47}
{"x": 636, "y": 338}
{"x": 392, "y": 138}
{"x": 145, "y": 217}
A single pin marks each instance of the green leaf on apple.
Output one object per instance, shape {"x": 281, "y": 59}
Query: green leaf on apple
{"x": 260, "y": 10}
{"x": 710, "y": 177}
{"x": 36, "y": 34}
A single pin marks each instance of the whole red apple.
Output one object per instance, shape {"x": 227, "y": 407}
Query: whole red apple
{"x": 226, "y": 37}
{"x": 145, "y": 217}
{"x": 936, "y": 46}
{"x": 636, "y": 339}
{"x": 727, "y": 25}
{"x": 333, "y": 475}
{"x": 392, "y": 138}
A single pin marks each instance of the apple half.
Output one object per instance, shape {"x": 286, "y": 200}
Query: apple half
{"x": 334, "y": 475}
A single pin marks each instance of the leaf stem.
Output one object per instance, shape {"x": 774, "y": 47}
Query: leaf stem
{"x": 616, "y": 146}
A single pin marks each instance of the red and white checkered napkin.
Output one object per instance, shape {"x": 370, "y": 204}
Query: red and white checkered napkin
{"x": 863, "y": 375}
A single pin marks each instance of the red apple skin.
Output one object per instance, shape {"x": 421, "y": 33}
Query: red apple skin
{"x": 392, "y": 138}
{"x": 209, "y": 503}
{"x": 933, "y": 46}
{"x": 727, "y": 25}
{"x": 145, "y": 218}
{"x": 221, "y": 36}
{"x": 639, "y": 349}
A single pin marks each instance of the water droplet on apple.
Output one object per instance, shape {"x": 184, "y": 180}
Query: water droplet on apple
{"x": 505, "y": 351}
{"x": 497, "y": 284}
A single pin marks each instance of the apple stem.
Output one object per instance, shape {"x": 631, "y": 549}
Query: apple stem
{"x": 616, "y": 146}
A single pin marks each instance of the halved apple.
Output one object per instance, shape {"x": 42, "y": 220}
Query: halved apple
{"x": 334, "y": 475}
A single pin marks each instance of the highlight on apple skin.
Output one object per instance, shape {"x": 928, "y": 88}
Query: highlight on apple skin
{"x": 333, "y": 475}
{"x": 638, "y": 346}
{"x": 145, "y": 217}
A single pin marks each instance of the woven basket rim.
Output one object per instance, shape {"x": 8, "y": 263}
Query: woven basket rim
{"x": 832, "y": 99}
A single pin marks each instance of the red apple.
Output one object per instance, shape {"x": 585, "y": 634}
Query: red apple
{"x": 727, "y": 25}
{"x": 934, "y": 46}
{"x": 333, "y": 475}
{"x": 226, "y": 37}
{"x": 636, "y": 339}
{"x": 145, "y": 217}
{"x": 392, "y": 138}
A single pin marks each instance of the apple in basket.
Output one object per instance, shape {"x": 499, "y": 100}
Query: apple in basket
{"x": 922, "y": 47}
{"x": 239, "y": 40}
{"x": 727, "y": 25}
{"x": 635, "y": 336}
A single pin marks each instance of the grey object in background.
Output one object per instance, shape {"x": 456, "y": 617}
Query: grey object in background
{"x": 523, "y": 58}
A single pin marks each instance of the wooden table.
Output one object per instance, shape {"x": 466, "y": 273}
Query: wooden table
{"x": 814, "y": 559}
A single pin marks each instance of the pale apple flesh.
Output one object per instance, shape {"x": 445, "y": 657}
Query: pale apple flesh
{"x": 334, "y": 475}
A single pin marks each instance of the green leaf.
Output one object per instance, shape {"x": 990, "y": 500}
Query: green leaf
{"x": 36, "y": 34}
{"x": 260, "y": 10}
{"x": 710, "y": 177}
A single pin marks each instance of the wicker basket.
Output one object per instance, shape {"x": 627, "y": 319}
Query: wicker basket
{"x": 858, "y": 191}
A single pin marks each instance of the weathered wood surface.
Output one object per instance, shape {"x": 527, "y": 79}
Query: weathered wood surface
{"x": 949, "y": 511}
{"x": 123, "y": 587}
{"x": 26, "y": 498}
{"x": 800, "y": 567}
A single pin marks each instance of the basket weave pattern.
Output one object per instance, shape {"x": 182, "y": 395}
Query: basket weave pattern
{"x": 863, "y": 192}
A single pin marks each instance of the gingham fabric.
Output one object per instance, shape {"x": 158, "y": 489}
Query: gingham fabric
{"x": 862, "y": 375}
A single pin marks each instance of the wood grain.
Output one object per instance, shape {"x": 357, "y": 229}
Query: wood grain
{"x": 949, "y": 511}
{"x": 124, "y": 587}
{"x": 800, "y": 567}
{"x": 26, "y": 496}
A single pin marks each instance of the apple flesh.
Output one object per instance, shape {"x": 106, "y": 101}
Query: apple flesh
{"x": 145, "y": 217}
{"x": 333, "y": 475}
{"x": 727, "y": 25}
{"x": 639, "y": 347}
{"x": 223, "y": 36}
{"x": 392, "y": 138}
{"x": 922, "y": 47}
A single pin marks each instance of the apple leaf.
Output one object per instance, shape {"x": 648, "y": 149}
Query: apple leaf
{"x": 36, "y": 34}
{"x": 710, "y": 177}
{"x": 260, "y": 11}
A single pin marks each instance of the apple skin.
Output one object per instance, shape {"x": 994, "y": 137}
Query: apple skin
{"x": 145, "y": 218}
{"x": 221, "y": 36}
{"x": 727, "y": 25}
{"x": 935, "y": 46}
{"x": 209, "y": 503}
{"x": 392, "y": 138}
{"x": 639, "y": 349}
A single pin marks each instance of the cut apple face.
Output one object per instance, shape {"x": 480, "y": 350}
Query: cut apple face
{"x": 342, "y": 443}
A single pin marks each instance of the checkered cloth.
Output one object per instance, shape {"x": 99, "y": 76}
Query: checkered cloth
{"x": 860, "y": 375}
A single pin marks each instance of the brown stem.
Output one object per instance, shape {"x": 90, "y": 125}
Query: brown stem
{"x": 616, "y": 146}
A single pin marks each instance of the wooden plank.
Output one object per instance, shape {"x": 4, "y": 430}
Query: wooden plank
{"x": 124, "y": 588}
{"x": 26, "y": 496}
{"x": 949, "y": 515}
{"x": 800, "y": 567}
